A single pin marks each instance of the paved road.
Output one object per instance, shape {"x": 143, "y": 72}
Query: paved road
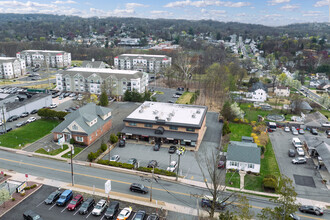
{"x": 162, "y": 190}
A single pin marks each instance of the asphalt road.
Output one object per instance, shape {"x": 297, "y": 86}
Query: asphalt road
{"x": 88, "y": 176}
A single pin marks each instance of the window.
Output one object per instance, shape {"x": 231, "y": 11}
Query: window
{"x": 173, "y": 127}
{"x": 190, "y": 129}
{"x": 132, "y": 124}
{"x": 148, "y": 125}
{"x": 234, "y": 163}
{"x": 251, "y": 165}
{"x": 80, "y": 139}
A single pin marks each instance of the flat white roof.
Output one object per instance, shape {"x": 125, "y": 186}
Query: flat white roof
{"x": 172, "y": 113}
{"x": 104, "y": 70}
{"x": 45, "y": 51}
{"x": 7, "y": 58}
{"x": 144, "y": 55}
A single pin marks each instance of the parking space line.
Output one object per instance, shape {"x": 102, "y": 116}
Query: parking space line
{"x": 102, "y": 217}
{"x": 76, "y": 212}
{"x": 52, "y": 206}
{"x": 40, "y": 204}
{"x": 64, "y": 209}
{"x": 88, "y": 214}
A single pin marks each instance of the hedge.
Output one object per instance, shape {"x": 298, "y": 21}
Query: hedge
{"x": 270, "y": 182}
{"x": 156, "y": 171}
{"x": 48, "y": 113}
{"x": 30, "y": 187}
{"x": 116, "y": 164}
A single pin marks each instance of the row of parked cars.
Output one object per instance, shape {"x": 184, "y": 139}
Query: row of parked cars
{"x": 111, "y": 210}
{"x": 12, "y": 90}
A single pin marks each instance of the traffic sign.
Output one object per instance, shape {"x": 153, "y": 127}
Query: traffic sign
{"x": 107, "y": 186}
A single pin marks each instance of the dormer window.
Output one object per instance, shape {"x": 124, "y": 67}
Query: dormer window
{"x": 74, "y": 127}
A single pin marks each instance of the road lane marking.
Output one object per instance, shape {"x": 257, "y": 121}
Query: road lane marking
{"x": 52, "y": 206}
{"x": 102, "y": 217}
{"x": 40, "y": 204}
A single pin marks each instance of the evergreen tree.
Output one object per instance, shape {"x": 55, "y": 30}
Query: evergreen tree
{"x": 103, "y": 99}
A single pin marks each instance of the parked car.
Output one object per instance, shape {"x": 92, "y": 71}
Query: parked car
{"x": 291, "y": 153}
{"x": 99, "y": 208}
{"x": 208, "y": 200}
{"x": 137, "y": 187}
{"x": 178, "y": 93}
{"x": 295, "y": 132}
{"x": 20, "y": 124}
{"x": 173, "y": 166}
{"x": 172, "y": 149}
{"x": 72, "y": 95}
{"x": 35, "y": 111}
{"x": 125, "y": 213}
{"x": 296, "y": 142}
{"x": 327, "y": 132}
{"x": 64, "y": 198}
{"x": 31, "y": 119}
{"x": 175, "y": 96}
{"x": 181, "y": 150}
{"x": 24, "y": 114}
{"x": 299, "y": 160}
{"x": 12, "y": 118}
{"x": 52, "y": 197}
{"x": 53, "y": 105}
{"x": 153, "y": 216}
{"x": 311, "y": 209}
{"x": 300, "y": 151}
{"x": 121, "y": 143}
{"x": 112, "y": 210}
{"x": 170, "y": 101}
{"x": 156, "y": 147}
{"x": 115, "y": 158}
{"x": 286, "y": 129}
{"x": 152, "y": 163}
{"x": 140, "y": 215}
{"x": 75, "y": 202}
{"x": 180, "y": 89}
{"x": 9, "y": 129}
{"x": 31, "y": 215}
{"x": 221, "y": 164}
{"x": 301, "y": 131}
{"x": 132, "y": 161}
{"x": 314, "y": 131}
{"x": 89, "y": 203}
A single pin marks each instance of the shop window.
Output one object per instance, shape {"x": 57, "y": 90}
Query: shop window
{"x": 190, "y": 129}
{"x": 132, "y": 123}
{"x": 148, "y": 125}
{"x": 173, "y": 127}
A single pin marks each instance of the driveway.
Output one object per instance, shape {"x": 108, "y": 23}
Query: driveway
{"x": 306, "y": 180}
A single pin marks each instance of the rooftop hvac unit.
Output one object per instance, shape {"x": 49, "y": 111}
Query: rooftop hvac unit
{"x": 193, "y": 115}
{"x": 155, "y": 112}
{"x": 198, "y": 111}
{"x": 156, "y": 117}
{"x": 168, "y": 119}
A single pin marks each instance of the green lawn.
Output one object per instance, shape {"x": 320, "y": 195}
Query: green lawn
{"x": 326, "y": 113}
{"x": 28, "y": 133}
{"x": 76, "y": 151}
{"x": 234, "y": 178}
{"x": 252, "y": 113}
{"x": 53, "y": 152}
{"x": 76, "y": 63}
{"x": 239, "y": 130}
{"x": 185, "y": 98}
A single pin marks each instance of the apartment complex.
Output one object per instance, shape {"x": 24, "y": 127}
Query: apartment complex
{"x": 92, "y": 80}
{"x": 45, "y": 58}
{"x": 143, "y": 62}
{"x": 167, "y": 123}
{"x": 11, "y": 67}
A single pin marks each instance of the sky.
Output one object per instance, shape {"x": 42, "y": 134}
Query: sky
{"x": 266, "y": 12}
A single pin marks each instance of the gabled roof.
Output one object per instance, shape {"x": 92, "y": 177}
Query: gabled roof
{"x": 91, "y": 64}
{"x": 258, "y": 85}
{"x": 303, "y": 105}
{"x": 243, "y": 152}
{"x": 83, "y": 115}
{"x": 324, "y": 151}
{"x": 315, "y": 119}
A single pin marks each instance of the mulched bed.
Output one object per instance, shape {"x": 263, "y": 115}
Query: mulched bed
{"x": 18, "y": 198}
{"x": 4, "y": 177}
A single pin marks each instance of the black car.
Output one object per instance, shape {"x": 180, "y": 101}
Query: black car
{"x": 178, "y": 93}
{"x": 172, "y": 149}
{"x": 137, "y": 187}
{"x": 53, "y": 197}
{"x": 207, "y": 202}
{"x": 31, "y": 215}
{"x": 35, "y": 111}
{"x": 153, "y": 216}
{"x": 132, "y": 161}
{"x": 9, "y": 129}
{"x": 156, "y": 147}
{"x": 12, "y": 118}
{"x": 152, "y": 163}
{"x": 311, "y": 209}
{"x": 180, "y": 89}
{"x": 24, "y": 114}
{"x": 291, "y": 153}
{"x": 140, "y": 215}
{"x": 89, "y": 203}
{"x": 121, "y": 143}
{"x": 112, "y": 210}
{"x": 314, "y": 131}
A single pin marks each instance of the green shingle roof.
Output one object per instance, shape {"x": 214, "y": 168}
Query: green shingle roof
{"x": 243, "y": 152}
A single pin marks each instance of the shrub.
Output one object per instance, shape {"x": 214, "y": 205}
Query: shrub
{"x": 13, "y": 199}
{"x": 22, "y": 193}
{"x": 72, "y": 141}
{"x": 270, "y": 182}
{"x": 113, "y": 138}
{"x": 30, "y": 187}
{"x": 5, "y": 174}
{"x": 156, "y": 171}
{"x": 91, "y": 156}
{"x": 116, "y": 164}
{"x": 104, "y": 147}
{"x": 226, "y": 128}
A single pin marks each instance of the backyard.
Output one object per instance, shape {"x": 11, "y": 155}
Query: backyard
{"x": 28, "y": 133}
{"x": 185, "y": 98}
{"x": 239, "y": 130}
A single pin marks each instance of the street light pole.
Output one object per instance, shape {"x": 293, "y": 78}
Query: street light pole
{"x": 72, "y": 152}
{"x": 177, "y": 171}
{"x": 152, "y": 178}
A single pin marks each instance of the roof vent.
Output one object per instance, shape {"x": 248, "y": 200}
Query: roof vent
{"x": 168, "y": 119}
{"x": 156, "y": 117}
{"x": 193, "y": 115}
{"x": 155, "y": 112}
{"x": 198, "y": 111}
{"x": 141, "y": 110}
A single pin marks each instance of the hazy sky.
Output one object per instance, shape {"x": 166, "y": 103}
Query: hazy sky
{"x": 267, "y": 12}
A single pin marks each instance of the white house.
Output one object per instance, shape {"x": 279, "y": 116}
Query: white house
{"x": 257, "y": 93}
{"x": 243, "y": 156}
{"x": 11, "y": 67}
{"x": 282, "y": 91}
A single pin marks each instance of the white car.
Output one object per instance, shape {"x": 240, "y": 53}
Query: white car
{"x": 287, "y": 129}
{"x": 125, "y": 213}
{"x": 300, "y": 151}
{"x": 54, "y": 105}
{"x": 173, "y": 166}
{"x": 100, "y": 207}
{"x": 115, "y": 158}
{"x": 176, "y": 96}
{"x": 31, "y": 119}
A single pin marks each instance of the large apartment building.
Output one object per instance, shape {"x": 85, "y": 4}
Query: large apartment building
{"x": 143, "y": 62}
{"x": 45, "y": 58}
{"x": 92, "y": 79}
{"x": 11, "y": 67}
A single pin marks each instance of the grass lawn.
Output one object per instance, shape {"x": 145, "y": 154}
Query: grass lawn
{"x": 159, "y": 92}
{"x": 76, "y": 63}
{"x": 251, "y": 113}
{"x": 239, "y": 130}
{"x": 326, "y": 113}
{"x": 268, "y": 166}
{"x": 76, "y": 151}
{"x": 234, "y": 178}
{"x": 185, "y": 98}
{"x": 53, "y": 152}
{"x": 28, "y": 133}
{"x": 42, "y": 86}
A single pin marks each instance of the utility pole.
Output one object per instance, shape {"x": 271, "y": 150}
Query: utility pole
{"x": 72, "y": 152}
{"x": 177, "y": 171}
{"x": 3, "y": 118}
{"x": 152, "y": 178}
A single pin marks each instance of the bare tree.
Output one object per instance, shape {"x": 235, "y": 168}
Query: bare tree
{"x": 185, "y": 67}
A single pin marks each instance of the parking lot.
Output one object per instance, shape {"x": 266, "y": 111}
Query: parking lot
{"x": 35, "y": 202}
{"x": 167, "y": 96}
{"x": 306, "y": 179}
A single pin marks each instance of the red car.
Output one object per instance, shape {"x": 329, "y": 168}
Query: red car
{"x": 75, "y": 202}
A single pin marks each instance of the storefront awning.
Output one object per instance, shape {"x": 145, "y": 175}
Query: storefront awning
{"x": 166, "y": 134}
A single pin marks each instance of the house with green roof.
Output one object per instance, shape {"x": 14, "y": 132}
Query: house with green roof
{"x": 85, "y": 125}
{"x": 243, "y": 156}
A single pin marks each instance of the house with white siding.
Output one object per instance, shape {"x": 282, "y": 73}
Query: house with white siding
{"x": 12, "y": 67}
{"x": 282, "y": 91}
